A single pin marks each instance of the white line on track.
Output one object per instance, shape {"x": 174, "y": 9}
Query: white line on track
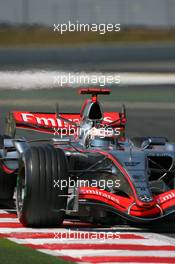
{"x": 94, "y": 253}
{"x": 167, "y": 240}
{"x": 49, "y": 79}
{"x": 9, "y": 220}
{"x": 28, "y": 230}
{"x": 42, "y": 241}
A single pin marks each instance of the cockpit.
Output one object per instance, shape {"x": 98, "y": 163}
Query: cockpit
{"x": 99, "y": 129}
{"x": 92, "y": 111}
{"x": 95, "y": 112}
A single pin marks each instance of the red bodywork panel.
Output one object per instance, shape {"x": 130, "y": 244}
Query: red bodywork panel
{"x": 164, "y": 201}
{"x": 48, "y": 122}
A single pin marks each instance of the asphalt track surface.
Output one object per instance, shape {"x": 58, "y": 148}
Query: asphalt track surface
{"x": 131, "y": 57}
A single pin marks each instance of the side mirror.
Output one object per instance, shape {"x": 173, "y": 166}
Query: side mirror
{"x": 152, "y": 141}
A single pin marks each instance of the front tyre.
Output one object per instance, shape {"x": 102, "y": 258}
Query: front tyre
{"x": 40, "y": 201}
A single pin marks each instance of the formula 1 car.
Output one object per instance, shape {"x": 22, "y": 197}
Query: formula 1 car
{"x": 87, "y": 168}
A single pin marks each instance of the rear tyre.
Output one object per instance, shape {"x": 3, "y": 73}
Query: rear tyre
{"x": 40, "y": 200}
{"x": 7, "y": 187}
{"x": 7, "y": 184}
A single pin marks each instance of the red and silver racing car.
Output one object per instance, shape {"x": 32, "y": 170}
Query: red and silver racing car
{"x": 87, "y": 169}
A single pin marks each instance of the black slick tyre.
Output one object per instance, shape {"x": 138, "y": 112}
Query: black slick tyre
{"x": 41, "y": 202}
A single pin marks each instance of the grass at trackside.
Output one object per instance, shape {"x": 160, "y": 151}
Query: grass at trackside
{"x": 11, "y": 253}
{"x": 38, "y": 35}
{"x": 119, "y": 94}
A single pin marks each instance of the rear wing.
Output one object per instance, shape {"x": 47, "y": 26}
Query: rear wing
{"x": 50, "y": 123}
